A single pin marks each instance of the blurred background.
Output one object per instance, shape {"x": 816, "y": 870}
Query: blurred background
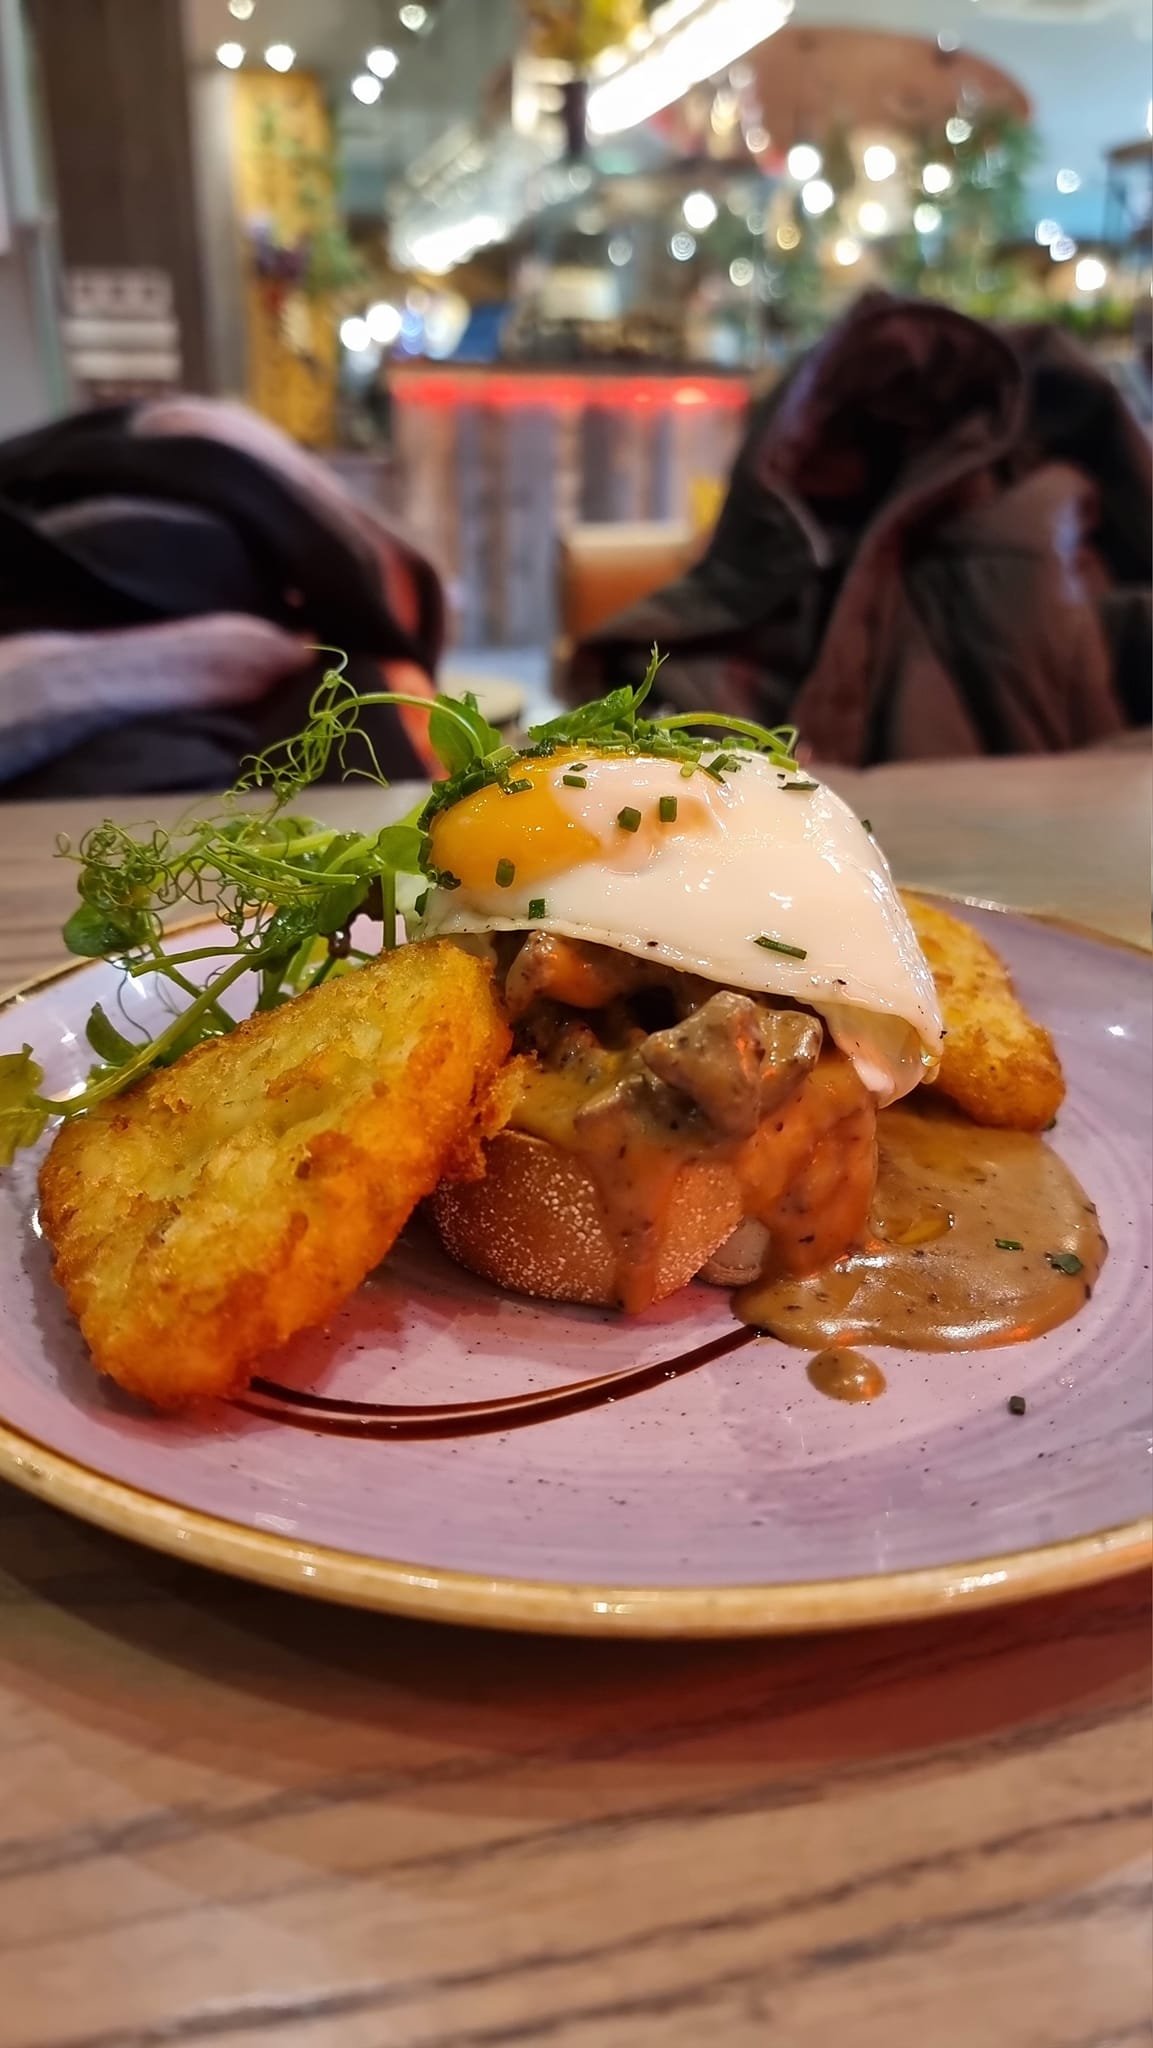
{"x": 514, "y": 267}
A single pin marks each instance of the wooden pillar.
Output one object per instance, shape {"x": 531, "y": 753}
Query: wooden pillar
{"x": 114, "y": 80}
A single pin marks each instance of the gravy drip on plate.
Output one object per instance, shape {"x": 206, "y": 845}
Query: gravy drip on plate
{"x": 932, "y": 1275}
{"x": 845, "y": 1376}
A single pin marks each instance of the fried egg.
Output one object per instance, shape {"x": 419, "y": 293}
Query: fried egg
{"x": 759, "y": 878}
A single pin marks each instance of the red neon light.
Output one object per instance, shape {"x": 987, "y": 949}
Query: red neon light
{"x": 558, "y": 391}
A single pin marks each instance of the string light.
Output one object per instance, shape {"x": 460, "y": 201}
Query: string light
{"x": 926, "y": 219}
{"x": 1068, "y": 181}
{"x": 957, "y": 129}
{"x": 354, "y": 335}
{"x": 879, "y": 162}
{"x": 700, "y": 209}
{"x": 846, "y": 251}
{"x": 1046, "y": 231}
{"x": 872, "y": 217}
{"x": 280, "y": 56}
{"x": 788, "y": 236}
{"x": 242, "y": 10}
{"x": 383, "y": 322}
{"x": 413, "y": 17}
{"x": 817, "y": 196}
{"x": 741, "y": 271}
{"x": 682, "y": 247}
{"x": 620, "y": 251}
{"x": 231, "y": 55}
{"x": 1062, "y": 248}
{"x": 382, "y": 63}
{"x": 1090, "y": 274}
{"x": 936, "y": 178}
{"x": 804, "y": 161}
{"x": 366, "y": 89}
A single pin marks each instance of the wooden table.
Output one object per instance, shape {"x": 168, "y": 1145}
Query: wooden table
{"x": 228, "y": 1816}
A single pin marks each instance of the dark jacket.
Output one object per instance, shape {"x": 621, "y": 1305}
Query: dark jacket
{"x": 116, "y": 522}
{"x": 936, "y": 541}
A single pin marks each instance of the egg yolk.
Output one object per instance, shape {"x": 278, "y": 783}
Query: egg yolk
{"x": 531, "y": 829}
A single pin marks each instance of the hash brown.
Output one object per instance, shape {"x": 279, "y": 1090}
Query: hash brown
{"x": 243, "y": 1193}
{"x": 998, "y": 1065}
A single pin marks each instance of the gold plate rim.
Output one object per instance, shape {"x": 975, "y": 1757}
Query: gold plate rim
{"x": 555, "y": 1607}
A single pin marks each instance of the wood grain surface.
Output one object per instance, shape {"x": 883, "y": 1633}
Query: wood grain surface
{"x": 231, "y": 1817}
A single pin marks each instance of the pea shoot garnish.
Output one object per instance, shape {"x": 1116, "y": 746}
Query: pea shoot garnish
{"x": 772, "y": 945}
{"x": 291, "y": 901}
{"x": 1008, "y": 1244}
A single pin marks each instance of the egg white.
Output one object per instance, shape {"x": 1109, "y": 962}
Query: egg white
{"x": 755, "y": 855}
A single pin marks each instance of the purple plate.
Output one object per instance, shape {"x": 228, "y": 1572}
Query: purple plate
{"x": 733, "y": 1498}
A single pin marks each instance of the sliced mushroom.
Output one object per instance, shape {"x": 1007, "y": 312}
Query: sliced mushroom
{"x": 734, "y": 1059}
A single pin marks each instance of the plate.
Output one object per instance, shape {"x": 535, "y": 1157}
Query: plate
{"x": 728, "y": 1499}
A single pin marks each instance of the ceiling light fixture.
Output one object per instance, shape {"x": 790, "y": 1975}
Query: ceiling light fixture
{"x": 817, "y": 196}
{"x": 879, "y": 162}
{"x": 700, "y": 209}
{"x": 1090, "y": 274}
{"x": 383, "y": 322}
{"x": 872, "y": 217}
{"x": 804, "y": 161}
{"x": 688, "y": 41}
{"x": 354, "y": 334}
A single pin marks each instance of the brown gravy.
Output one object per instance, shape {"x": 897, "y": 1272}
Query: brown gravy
{"x": 931, "y": 1275}
{"x": 846, "y": 1376}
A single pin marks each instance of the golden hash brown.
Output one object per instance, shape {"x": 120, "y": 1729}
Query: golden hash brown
{"x": 998, "y": 1065}
{"x": 243, "y": 1193}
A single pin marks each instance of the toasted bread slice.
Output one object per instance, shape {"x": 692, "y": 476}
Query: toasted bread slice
{"x": 999, "y": 1066}
{"x": 240, "y": 1195}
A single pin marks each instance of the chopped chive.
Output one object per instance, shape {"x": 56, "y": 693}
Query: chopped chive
{"x": 505, "y": 874}
{"x": 667, "y": 810}
{"x": 867, "y": 823}
{"x": 688, "y": 769}
{"x": 1008, "y": 1244}
{"x": 629, "y": 819}
{"x": 421, "y": 904}
{"x": 536, "y": 906}
{"x": 801, "y": 785}
{"x": 578, "y": 767}
{"x": 1052, "y": 1124}
{"x": 514, "y": 788}
{"x": 778, "y": 946}
{"x": 1017, "y": 1404}
{"x": 1065, "y": 1262}
{"x": 447, "y": 880}
{"x": 574, "y": 782}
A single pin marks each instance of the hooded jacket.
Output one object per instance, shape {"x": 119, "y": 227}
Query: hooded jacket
{"x": 936, "y": 541}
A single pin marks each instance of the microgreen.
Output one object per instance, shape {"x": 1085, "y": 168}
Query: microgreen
{"x": 285, "y": 890}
